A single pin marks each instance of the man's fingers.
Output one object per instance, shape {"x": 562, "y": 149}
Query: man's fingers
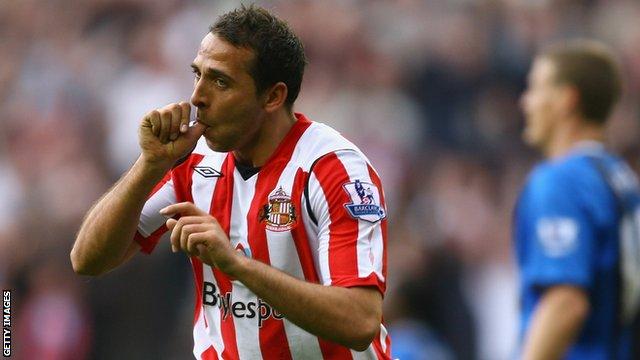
{"x": 171, "y": 223}
{"x": 176, "y": 227}
{"x": 197, "y": 242}
{"x": 185, "y": 115}
{"x": 183, "y": 208}
{"x": 190, "y": 214}
{"x": 170, "y": 121}
{"x": 190, "y": 232}
{"x": 165, "y": 130}
{"x": 176, "y": 116}
{"x": 194, "y": 132}
{"x": 154, "y": 119}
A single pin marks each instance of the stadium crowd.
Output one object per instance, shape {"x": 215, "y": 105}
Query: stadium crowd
{"x": 428, "y": 89}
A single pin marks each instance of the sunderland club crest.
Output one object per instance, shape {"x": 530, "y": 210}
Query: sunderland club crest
{"x": 279, "y": 214}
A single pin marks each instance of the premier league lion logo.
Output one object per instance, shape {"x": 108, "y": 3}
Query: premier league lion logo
{"x": 366, "y": 195}
{"x": 365, "y": 200}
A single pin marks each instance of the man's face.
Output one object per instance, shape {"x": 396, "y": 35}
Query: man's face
{"x": 225, "y": 94}
{"x": 541, "y": 103}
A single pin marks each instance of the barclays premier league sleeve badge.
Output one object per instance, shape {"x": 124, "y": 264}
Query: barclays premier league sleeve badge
{"x": 365, "y": 201}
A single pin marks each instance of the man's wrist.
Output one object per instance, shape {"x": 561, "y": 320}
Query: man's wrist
{"x": 237, "y": 266}
{"x": 158, "y": 167}
{"x": 148, "y": 173}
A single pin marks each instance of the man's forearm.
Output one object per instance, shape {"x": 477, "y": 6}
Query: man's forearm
{"x": 349, "y": 316}
{"x": 556, "y": 323}
{"x": 109, "y": 227}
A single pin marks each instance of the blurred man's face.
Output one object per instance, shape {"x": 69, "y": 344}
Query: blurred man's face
{"x": 540, "y": 103}
{"x": 225, "y": 94}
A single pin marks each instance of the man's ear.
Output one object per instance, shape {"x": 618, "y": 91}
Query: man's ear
{"x": 570, "y": 100}
{"x": 275, "y": 97}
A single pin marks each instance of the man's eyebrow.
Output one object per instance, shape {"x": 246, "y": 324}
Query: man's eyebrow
{"x": 212, "y": 72}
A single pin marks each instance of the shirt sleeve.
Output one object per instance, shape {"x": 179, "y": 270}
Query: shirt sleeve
{"x": 152, "y": 224}
{"x": 562, "y": 236}
{"x": 346, "y": 197}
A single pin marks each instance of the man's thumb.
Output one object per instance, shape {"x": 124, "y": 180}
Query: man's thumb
{"x": 197, "y": 130}
{"x": 194, "y": 132}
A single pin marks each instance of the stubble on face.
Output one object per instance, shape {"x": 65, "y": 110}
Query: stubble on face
{"x": 232, "y": 111}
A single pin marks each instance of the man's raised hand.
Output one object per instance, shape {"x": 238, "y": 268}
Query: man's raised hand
{"x": 165, "y": 135}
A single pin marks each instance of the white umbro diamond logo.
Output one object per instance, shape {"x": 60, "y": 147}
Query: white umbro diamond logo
{"x": 207, "y": 171}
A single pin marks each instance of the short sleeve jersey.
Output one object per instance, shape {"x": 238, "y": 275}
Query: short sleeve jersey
{"x": 315, "y": 210}
{"x": 566, "y": 232}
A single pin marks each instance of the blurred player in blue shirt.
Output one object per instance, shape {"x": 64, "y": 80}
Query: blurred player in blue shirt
{"x": 576, "y": 222}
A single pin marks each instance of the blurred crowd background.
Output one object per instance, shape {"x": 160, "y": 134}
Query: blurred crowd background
{"x": 428, "y": 89}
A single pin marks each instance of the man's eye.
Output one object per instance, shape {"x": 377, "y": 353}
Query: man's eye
{"x": 221, "y": 83}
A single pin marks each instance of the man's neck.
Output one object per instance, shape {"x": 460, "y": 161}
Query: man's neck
{"x": 566, "y": 137}
{"x": 267, "y": 139}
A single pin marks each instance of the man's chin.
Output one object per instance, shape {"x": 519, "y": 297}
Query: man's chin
{"x": 528, "y": 138}
{"x": 532, "y": 139}
{"x": 216, "y": 146}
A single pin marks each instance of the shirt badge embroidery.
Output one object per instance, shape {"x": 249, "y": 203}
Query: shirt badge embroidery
{"x": 365, "y": 198}
{"x": 280, "y": 213}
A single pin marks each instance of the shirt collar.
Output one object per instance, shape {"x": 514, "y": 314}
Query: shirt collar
{"x": 587, "y": 146}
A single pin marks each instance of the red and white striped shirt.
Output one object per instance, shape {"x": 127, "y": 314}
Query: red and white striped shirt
{"x": 315, "y": 210}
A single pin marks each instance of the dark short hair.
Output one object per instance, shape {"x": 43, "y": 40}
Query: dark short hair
{"x": 279, "y": 54}
{"x": 591, "y": 68}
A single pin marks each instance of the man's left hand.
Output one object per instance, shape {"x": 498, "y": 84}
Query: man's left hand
{"x": 199, "y": 234}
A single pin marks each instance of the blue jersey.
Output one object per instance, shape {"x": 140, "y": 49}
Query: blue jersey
{"x": 567, "y": 232}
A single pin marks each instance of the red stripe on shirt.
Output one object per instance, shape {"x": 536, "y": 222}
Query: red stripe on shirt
{"x": 149, "y": 243}
{"x": 377, "y": 347}
{"x": 343, "y": 236}
{"x": 331, "y": 350}
{"x": 222, "y": 199}
{"x": 227, "y": 326}
{"x": 220, "y": 209}
{"x": 159, "y": 185}
{"x": 383, "y": 224}
{"x": 196, "y": 265}
{"x": 209, "y": 354}
{"x": 388, "y": 343}
{"x": 273, "y": 339}
{"x": 299, "y": 232}
{"x": 371, "y": 280}
{"x": 343, "y": 229}
{"x": 377, "y": 344}
{"x": 181, "y": 176}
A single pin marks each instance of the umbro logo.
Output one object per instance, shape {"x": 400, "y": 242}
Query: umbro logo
{"x": 207, "y": 171}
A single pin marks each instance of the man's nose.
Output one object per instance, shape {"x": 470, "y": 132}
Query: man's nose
{"x": 198, "y": 97}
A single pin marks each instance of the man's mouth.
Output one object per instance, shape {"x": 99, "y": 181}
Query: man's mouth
{"x": 199, "y": 119}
